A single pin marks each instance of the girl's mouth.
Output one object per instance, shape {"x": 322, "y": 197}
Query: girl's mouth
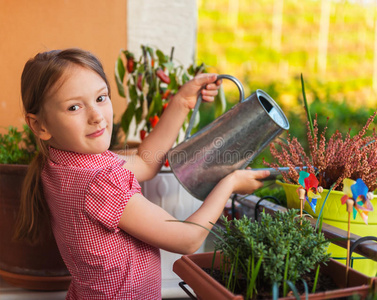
{"x": 96, "y": 133}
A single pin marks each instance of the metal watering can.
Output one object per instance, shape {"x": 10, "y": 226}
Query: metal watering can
{"x": 229, "y": 143}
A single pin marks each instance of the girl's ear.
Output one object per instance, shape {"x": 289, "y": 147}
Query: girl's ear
{"x": 36, "y": 125}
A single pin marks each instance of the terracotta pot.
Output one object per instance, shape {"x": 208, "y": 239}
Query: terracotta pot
{"x": 38, "y": 267}
{"x": 189, "y": 269}
{"x": 334, "y": 213}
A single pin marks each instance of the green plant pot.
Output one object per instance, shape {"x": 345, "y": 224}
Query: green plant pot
{"x": 334, "y": 213}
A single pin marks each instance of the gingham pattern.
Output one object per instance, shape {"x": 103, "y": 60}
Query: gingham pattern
{"x": 86, "y": 195}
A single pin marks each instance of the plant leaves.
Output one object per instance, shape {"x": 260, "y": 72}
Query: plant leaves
{"x": 119, "y": 76}
{"x": 127, "y": 117}
{"x": 294, "y": 290}
{"x": 17, "y": 147}
{"x": 169, "y": 66}
{"x": 133, "y": 94}
{"x": 275, "y": 291}
{"x": 255, "y": 272}
{"x": 316, "y": 279}
{"x": 162, "y": 58}
{"x": 185, "y": 78}
{"x": 155, "y": 106}
{"x": 173, "y": 85}
{"x": 306, "y": 289}
{"x": 138, "y": 114}
{"x": 307, "y": 107}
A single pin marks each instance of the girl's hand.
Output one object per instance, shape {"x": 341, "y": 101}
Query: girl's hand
{"x": 247, "y": 181}
{"x": 205, "y": 84}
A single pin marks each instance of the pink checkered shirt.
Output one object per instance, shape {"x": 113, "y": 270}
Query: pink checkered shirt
{"x": 86, "y": 195}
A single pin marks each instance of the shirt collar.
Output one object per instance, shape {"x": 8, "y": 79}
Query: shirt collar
{"x": 73, "y": 159}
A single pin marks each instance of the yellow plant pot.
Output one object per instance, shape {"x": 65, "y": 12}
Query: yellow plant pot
{"x": 334, "y": 213}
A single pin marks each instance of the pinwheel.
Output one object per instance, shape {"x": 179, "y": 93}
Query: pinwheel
{"x": 309, "y": 190}
{"x": 358, "y": 192}
{"x": 357, "y": 199}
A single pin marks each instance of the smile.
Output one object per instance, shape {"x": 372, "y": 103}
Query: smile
{"x": 96, "y": 133}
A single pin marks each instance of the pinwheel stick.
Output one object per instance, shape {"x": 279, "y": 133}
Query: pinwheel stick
{"x": 301, "y": 195}
{"x": 349, "y": 210}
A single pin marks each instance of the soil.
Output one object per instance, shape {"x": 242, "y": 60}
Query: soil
{"x": 324, "y": 283}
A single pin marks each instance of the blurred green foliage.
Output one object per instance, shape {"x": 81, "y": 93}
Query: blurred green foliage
{"x": 275, "y": 40}
{"x": 17, "y": 147}
{"x": 245, "y": 39}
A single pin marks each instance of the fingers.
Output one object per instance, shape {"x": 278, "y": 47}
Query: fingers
{"x": 256, "y": 176}
{"x": 211, "y": 86}
{"x": 209, "y": 95}
{"x": 258, "y": 185}
{"x": 260, "y": 174}
{"x": 205, "y": 78}
{"x": 247, "y": 181}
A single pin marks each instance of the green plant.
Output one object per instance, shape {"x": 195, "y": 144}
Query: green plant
{"x": 17, "y": 147}
{"x": 151, "y": 81}
{"x": 275, "y": 250}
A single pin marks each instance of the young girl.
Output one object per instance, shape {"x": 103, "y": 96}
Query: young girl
{"x": 108, "y": 234}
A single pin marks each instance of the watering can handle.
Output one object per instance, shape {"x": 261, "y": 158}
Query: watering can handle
{"x": 199, "y": 101}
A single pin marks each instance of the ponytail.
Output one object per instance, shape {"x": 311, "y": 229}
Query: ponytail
{"x": 33, "y": 213}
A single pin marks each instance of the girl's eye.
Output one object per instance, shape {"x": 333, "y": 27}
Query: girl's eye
{"x": 101, "y": 98}
{"x": 73, "y": 108}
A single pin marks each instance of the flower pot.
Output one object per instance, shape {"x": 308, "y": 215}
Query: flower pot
{"x": 165, "y": 191}
{"x": 189, "y": 269}
{"x": 334, "y": 213}
{"x": 38, "y": 267}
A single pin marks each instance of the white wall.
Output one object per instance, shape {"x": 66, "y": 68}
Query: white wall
{"x": 163, "y": 24}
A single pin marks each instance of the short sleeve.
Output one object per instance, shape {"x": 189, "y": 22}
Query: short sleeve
{"x": 108, "y": 194}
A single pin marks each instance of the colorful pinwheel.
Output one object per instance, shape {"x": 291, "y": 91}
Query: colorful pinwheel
{"x": 357, "y": 199}
{"x": 358, "y": 192}
{"x": 310, "y": 184}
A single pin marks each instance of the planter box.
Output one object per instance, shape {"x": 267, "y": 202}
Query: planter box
{"x": 189, "y": 269}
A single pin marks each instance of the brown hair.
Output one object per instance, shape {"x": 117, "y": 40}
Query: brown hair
{"x": 39, "y": 76}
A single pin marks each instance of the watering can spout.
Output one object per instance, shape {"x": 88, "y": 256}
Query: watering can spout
{"x": 229, "y": 143}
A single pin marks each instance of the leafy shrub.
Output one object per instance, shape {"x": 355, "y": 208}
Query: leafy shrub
{"x": 285, "y": 249}
{"x": 17, "y": 147}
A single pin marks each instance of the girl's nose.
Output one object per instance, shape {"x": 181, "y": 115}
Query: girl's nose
{"x": 95, "y": 115}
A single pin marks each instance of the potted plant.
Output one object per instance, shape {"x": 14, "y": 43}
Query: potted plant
{"x": 32, "y": 266}
{"x": 331, "y": 161}
{"x": 261, "y": 260}
{"x": 148, "y": 83}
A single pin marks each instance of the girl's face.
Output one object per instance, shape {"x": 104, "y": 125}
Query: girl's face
{"x": 78, "y": 114}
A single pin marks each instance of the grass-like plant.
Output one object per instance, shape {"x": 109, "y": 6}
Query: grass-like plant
{"x": 275, "y": 251}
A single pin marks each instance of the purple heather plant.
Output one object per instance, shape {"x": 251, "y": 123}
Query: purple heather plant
{"x": 331, "y": 160}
